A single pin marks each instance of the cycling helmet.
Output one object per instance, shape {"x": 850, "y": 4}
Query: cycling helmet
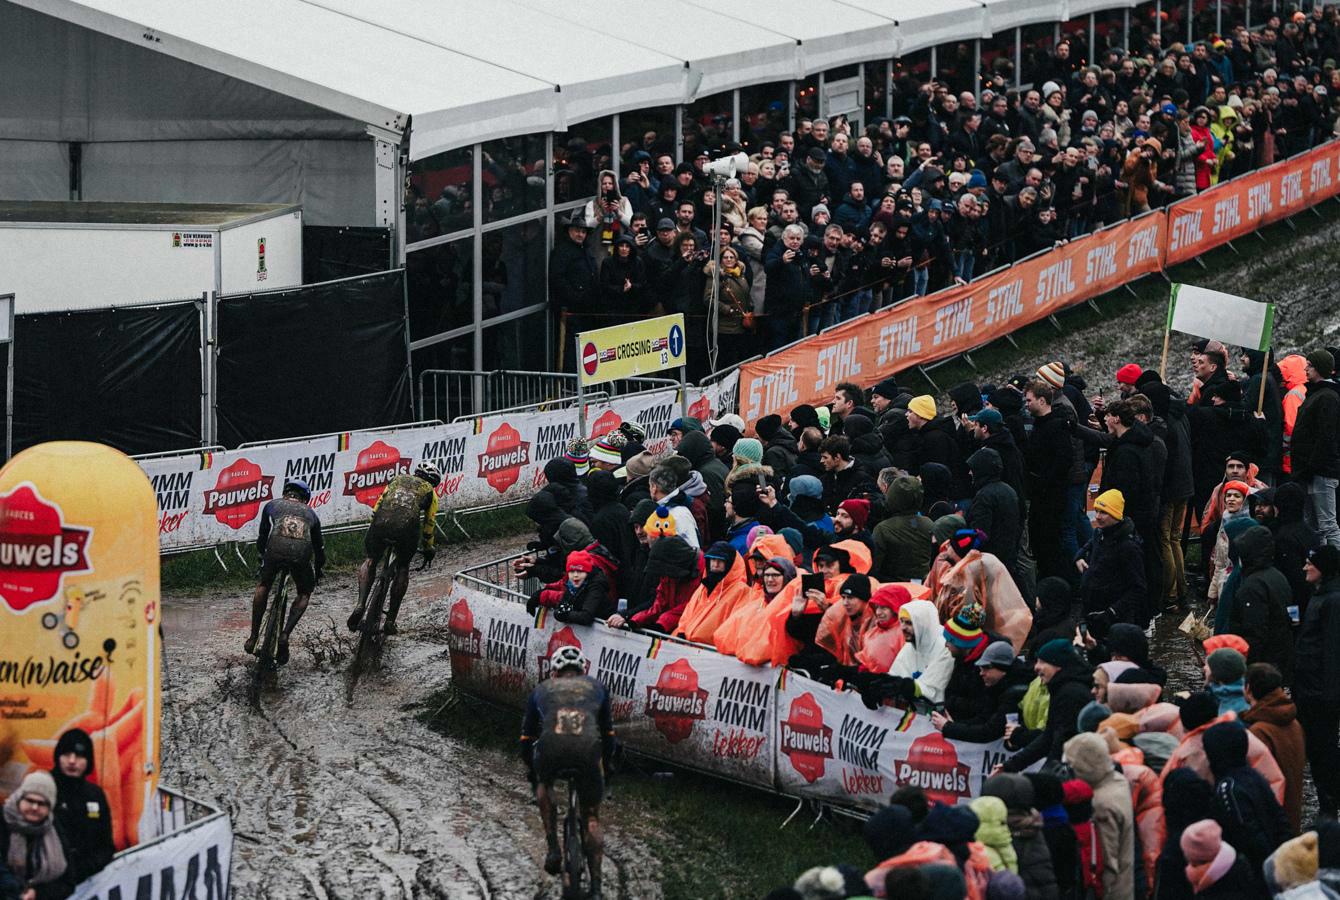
{"x": 568, "y": 656}
{"x": 428, "y": 472}
{"x": 300, "y": 486}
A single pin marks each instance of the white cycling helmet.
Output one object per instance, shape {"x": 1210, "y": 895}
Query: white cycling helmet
{"x": 568, "y": 656}
{"x": 428, "y": 472}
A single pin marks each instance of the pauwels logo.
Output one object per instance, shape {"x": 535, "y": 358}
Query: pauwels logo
{"x": 464, "y": 642}
{"x": 373, "y": 470}
{"x": 503, "y": 458}
{"x": 932, "y": 765}
{"x": 37, "y": 548}
{"x": 609, "y": 420}
{"x": 237, "y": 496}
{"x": 675, "y": 701}
{"x": 564, "y": 637}
{"x": 805, "y": 739}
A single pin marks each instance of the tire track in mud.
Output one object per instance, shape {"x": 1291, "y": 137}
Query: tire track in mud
{"x": 356, "y": 801}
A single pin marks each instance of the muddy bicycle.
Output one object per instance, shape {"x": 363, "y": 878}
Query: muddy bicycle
{"x": 574, "y": 874}
{"x": 272, "y": 628}
{"x": 371, "y": 634}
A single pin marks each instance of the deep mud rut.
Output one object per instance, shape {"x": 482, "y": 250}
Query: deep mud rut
{"x": 359, "y": 801}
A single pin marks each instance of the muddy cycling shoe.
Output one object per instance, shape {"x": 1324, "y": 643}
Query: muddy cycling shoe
{"x": 250, "y": 645}
{"x": 553, "y": 861}
{"x": 281, "y": 657}
{"x": 355, "y": 619}
{"x": 390, "y": 629}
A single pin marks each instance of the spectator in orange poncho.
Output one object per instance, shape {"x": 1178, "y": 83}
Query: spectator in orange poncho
{"x": 1199, "y": 714}
{"x": 880, "y": 644}
{"x": 723, "y": 587}
{"x": 739, "y": 634}
{"x": 962, "y": 574}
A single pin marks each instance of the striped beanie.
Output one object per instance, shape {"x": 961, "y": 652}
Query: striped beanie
{"x": 606, "y": 450}
{"x": 965, "y": 629}
{"x": 579, "y": 454}
{"x": 1053, "y": 373}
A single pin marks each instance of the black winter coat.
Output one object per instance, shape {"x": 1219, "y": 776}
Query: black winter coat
{"x": 1259, "y": 610}
{"x": 572, "y": 278}
{"x": 1130, "y": 468}
{"x": 936, "y": 443}
{"x": 1316, "y": 664}
{"x": 1011, "y": 461}
{"x": 1178, "y": 482}
{"x": 983, "y": 718}
{"x": 1069, "y": 691}
{"x": 1315, "y": 446}
{"x": 1293, "y": 540}
{"x": 85, "y": 820}
{"x": 1114, "y": 582}
{"x": 846, "y": 484}
{"x": 1047, "y": 457}
{"x": 995, "y": 508}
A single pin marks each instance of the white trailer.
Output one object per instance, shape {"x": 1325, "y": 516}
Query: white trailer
{"x": 57, "y": 256}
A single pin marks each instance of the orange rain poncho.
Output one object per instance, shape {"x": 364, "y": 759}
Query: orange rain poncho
{"x": 981, "y": 577}
{"x": 708, "y": 609}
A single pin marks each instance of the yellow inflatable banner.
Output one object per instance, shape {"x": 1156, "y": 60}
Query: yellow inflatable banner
{"x": 79, "y": 609}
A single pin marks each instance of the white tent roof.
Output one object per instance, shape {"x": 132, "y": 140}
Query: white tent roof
{"x": 473, "y": 72}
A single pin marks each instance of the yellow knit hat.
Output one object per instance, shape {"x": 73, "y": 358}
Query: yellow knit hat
{"x": 923, "y": 406}
{"x": 1112, "y": 503}
{"x": 660, "y": 524}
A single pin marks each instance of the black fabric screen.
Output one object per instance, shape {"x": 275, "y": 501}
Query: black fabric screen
{"x": 321, "y": 358}
{"x": 342, "y": 251}
{"x": 127, "y": 377}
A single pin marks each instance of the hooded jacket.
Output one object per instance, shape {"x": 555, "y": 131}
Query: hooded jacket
{"x": 82, "y": 814}
{"x": 1113, "y": 815}
{"x": 903, "y": 539}
{"x": 562, "y": 496}
{"x": 710, "y": 606}
{"x": 582, "y": 606}
{"x": 1274, "y": 719}
{"x": 1293, "y": 369}
{"x": 1051, "y": 617}
{"x": 680, "y": 568}
{"x": 1293, "y": 540}
{"x": 1025, "y": 823}
{"x": 995, "y": 507}
{"x": 1190, "y": 754}
{"x": 779, "y": 451}
{"x": 867, "y": 448}
{"x": 1114, "y": 582}
{"x": 993, "y": 833}
{"x": 1253, "y": 820}
{"x": 1259, "y": 611}
{"x": 979, "y": 577}
{"x": 744, "y": 633}
{"x": 1130, "y": 467}
{"x": 935, "y": 443}
{"x": 609, "y": 522}
{"x": 696, "y": 447}
{"x": 926, "y": 660}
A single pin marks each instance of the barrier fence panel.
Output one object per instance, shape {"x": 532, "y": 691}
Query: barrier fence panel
{"x": 687, "y": 704}
{"x": 127, "y": 376}
{"x": 334, "y": 355}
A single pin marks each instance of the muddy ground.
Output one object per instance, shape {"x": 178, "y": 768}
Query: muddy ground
{"x": 360, "y": 801}
{"x": 365, "y": 801}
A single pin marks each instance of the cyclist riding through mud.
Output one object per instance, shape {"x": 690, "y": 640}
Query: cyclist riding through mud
{"x": 568, "y": 732}
{"x": 396, "y": 523}
{"x": 289, "y": 539}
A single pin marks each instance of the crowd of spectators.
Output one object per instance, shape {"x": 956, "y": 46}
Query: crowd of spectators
{"x": 939, "y": 554}
{"x": 56, "y": 828}
{"x": 828, "y": 222}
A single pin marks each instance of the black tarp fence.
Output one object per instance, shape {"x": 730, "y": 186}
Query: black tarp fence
{"x": 312, "y": 360}
{"x": 341, "y": 251}
{"x": 125, "y": 376}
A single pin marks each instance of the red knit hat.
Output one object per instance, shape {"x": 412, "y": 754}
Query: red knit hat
{"x": 1128, "y": 374}
{"x": 891, "y": 595}
{"x": 1076, "y": 791}
{"x": 859, "y": 510}
{"x": 581, "y": 560}
{"x": 1240, "y": 486}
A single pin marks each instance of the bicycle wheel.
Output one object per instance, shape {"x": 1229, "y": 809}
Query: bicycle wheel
{"x": 273, "y": 626}
{"x": 369, "y": 630}
{"x": 574, "y": 850}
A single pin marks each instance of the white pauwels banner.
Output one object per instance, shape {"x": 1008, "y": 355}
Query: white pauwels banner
{"x": 832, "y": 747}
{"x": 191, "y": 862}
{"x": 689, "y": 705}
{"x": 210, "y": 498}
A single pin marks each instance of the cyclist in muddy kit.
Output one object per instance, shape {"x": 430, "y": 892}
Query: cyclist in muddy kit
{"x": 568, "y": 732}
{"x": 396, "y": 523}
{"x": 289, "y": 539}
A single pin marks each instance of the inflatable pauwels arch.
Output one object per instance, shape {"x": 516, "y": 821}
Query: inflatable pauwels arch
{"x": 79, "y": 609}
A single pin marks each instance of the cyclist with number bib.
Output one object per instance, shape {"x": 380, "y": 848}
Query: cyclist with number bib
{"x": 568, "y": 732}
{"x": 396, "y": 524}
{"x": 289, "y": 539}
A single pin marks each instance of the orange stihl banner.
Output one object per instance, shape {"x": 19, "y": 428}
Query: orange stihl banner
{"x": 926, "y": 329}
{"x": 923, "y": 330}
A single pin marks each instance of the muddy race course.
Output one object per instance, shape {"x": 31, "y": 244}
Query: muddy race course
{"x": 361, "y": 801}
